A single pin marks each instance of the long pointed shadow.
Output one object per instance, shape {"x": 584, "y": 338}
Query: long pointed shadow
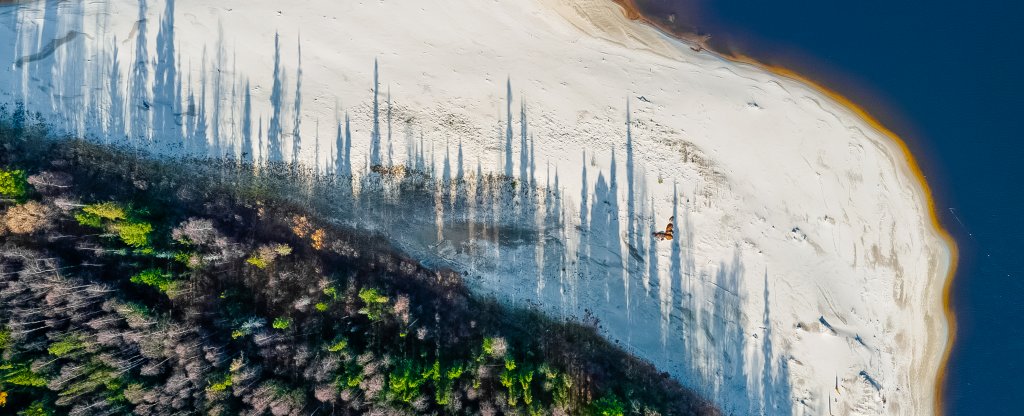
{"x": 375, "y": 133}
{"x": 635, "y": 244}
{"x": 42, "y": 69}
{"x": 410, "y": 144}
{"x": 247, "y": 150}
{"x": 583, "y": 245}
{"x": 139, "y": 101}
{"x": 446, "y": 175}
{"x": 235, "y": 103}
{"x": 344, "y": 159}
{"x": 775, "y": 388}
{"x": 166, "y": 102}
{"x": 652, "y": 262}
{"x": 217, "y": 145}
{"x": 598, "y": 230}
{"x": 297, "y": 109}
{"x": 666, "y": 289}
{"x": 391, "y": 148}
{"x": 200, "y": 141}
{"x": 116, "y": 114}
{"x": 421, "y": 160}
{"x": 69, "y": 72}
{"x": 725, "y": 368}
{"x": 261, "y": 145}
{"x": 275, "y": 151}
{"x": 8, "y": 48}
{"x": 617, "y": 280}
{"x": 524, "y": 157}
{"x": 554, "y": 243}
{"x": 508, "y": 128}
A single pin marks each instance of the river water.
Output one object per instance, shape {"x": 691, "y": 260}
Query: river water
{"x": 945, "y": 76}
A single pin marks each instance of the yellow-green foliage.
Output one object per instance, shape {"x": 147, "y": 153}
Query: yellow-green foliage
{"x": 115, "y": 217}
{"x": 351, "y": 380}
{"x": 189, "y": 259}
{"x": 20, "y": 375}
{"x": 13, "y": 184}
{"x": 134, "y": 233}
{"x": 66, "y": 346}
{"x": 443, "y": 385}
{"x": 5, "y": 339}
{"x": 267, "y": 253}
{"x": 110, "y": 211}
{"x": 37, "y": 408}
{"x": 282, "y": 323}
{"x": 332, "y": 295}
{"x": 607, "y": 406}
{"x": 404, "y": 382}
{"x": 135, "y": 309}
{"x": 164, "y": 282}
{"x": 89, "y": 220}
{"x": 525, "y": 378}
{"x": 223, "y": 384}
{"x": 488, "y": 346}
{"x": 455, "y": 372}
{"x": 257, "y": 261}
{"x": 375, "y": 303}
{"x": 282, "y": 249}
{"x": 98, "y": 375}
{"x": 510, "y": 363}
{"x": 338, "y": 345}
{"x": 517, "y": 381}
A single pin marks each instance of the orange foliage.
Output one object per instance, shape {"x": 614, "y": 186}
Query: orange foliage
{"x": 317, "y": 239}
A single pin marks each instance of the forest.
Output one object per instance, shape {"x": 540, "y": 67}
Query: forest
{"x": 135, "y": 286}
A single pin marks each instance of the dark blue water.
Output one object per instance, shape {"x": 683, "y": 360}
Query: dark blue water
{"x": 947, "y": 77}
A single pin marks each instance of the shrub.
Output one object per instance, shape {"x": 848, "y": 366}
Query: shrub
{"x": 67, "y": 346}
{"x": 338, "y": 345}
{"x": 13, "y": 184}
{"x": 5, "y": 339}
{"x": 267, "y": 253}
{"x": 37, "y": 408}
{"x": 89, "y": 220}
{"x": 282, "y": 323}
{"x": 495, "y": 347}
{"x": 134, "y": 233}
{"x": 374, "y": 301}
{"x": 189, "y": 259}
{"x": 111, "y": 211}
{"x": 164, "y": 282}
{"x": 27, "y": 218}
{"x": 405, "y": 381}
{"x": 223, "y": 384}
{"x": 316, "y": 240}
{"x": 257, "y": 261}
{"x": 21, "y": 375}
{"x": 607, "y": 406}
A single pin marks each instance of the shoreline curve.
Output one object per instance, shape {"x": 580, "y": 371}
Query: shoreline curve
{"x": 632, "y": 12}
